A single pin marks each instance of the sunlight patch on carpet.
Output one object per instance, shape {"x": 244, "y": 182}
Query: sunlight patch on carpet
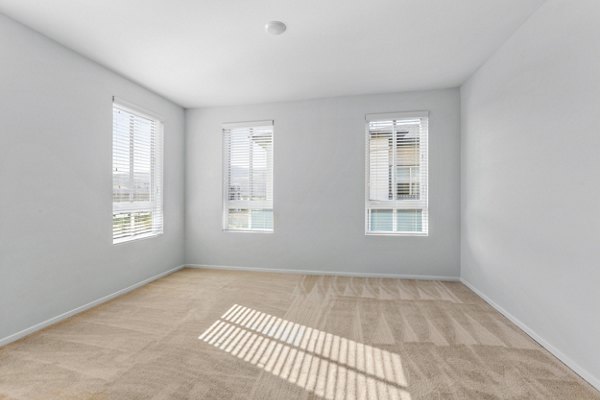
{"x": 328, "y": 365}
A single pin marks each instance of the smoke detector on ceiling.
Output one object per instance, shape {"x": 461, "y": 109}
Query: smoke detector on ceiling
{"x": 275, "y": 27}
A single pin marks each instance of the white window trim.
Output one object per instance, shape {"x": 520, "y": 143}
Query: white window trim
{"x": 247, "y": 204}
{"x": 248, "y": 124}
{"x": 136, "y": 109}
{"x": 397, "y": 204}
{"x": 143, "y": 206}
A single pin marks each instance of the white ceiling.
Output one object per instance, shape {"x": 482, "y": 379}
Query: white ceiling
{"x": 216, "y": 52}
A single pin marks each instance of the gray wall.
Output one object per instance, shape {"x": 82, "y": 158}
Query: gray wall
{"x": 531, "y": 183}
{"x": 319, "y": 184}
{"x": 56, "y": 250}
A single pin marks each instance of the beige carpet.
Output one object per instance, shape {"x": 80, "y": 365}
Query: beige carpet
{"x": 200, "y": 334}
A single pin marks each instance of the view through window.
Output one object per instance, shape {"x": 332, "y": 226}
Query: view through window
{"x": 397, "y": 174}
{"x": 137, "y": 174}
{"x": 248, "y": 176}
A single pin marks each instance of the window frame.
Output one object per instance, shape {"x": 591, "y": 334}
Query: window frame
{"x": 246, "y": 204}
{"x": 157, "y": 174}
{"x": 404, "y": 204}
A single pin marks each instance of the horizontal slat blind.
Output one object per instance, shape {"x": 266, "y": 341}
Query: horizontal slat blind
{"x": 248, "y": 176}
{"x": 397, "y": 174}
{"x": 137, "y": 174}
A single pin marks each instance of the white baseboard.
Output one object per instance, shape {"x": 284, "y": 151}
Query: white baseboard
{"x": 582, "y": 372}
{"x": 54, "y": 320}
{"x": 334, "y": 273}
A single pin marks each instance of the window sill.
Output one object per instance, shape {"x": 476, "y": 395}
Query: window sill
{"x": 417, "y": 234}
{"x": 247, "y": 231}
{"x": 135, "y": 238}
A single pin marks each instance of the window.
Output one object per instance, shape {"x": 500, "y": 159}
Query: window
{"x": 137, "y": 174}
{"x": 396, "y": 194}
{"x": 248, "y": 176}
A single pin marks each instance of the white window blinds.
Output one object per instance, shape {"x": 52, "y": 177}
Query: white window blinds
{"x": 397, "y": 174}
{"x": 248, "y": 176}
{"x": 137, "y": 174}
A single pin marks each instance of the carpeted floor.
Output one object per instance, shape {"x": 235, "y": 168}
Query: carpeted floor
{"x": 202, "y": 334}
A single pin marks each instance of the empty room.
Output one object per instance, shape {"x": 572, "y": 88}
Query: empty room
{"x": 314, "y": 200}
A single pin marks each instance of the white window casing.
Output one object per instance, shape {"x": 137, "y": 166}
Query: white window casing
{"x": 137, "y": 173}
{"x": 248, "y": 176}
{"x": 397, "y": 173}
